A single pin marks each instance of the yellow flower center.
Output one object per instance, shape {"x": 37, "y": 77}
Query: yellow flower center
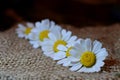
{"x": 68, "y": 52}
{"x": 28, "y": 30}
{"x": 88, "y": 59}
{"x": 43, "y": 34}
{"x": 58, "y": 42}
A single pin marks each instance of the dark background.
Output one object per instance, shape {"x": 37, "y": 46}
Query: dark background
{"x": 79, "y": 13}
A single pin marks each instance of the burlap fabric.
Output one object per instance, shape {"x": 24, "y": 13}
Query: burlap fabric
{"x": 19, "y": 61}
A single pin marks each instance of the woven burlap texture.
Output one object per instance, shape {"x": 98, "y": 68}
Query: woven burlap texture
{"x": 20, "y": 61}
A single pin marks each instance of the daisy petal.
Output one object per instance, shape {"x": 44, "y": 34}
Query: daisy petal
{"x": 97, "y": 66}
{"x": 88, "y": 44}
{"x": 21, "y": 26}
{"x": 73, "y": 59}
{"x": 61, "y": 48}
{"x": 30, "y": 24}
{"x": 73, "y": 38}
{"x": 99, "y": 63}
{"x": 20, "y": 35}
{"x": 47, "y": 43}
{"x": 37, "y": 24}
{"x": 45, "y": 23}
{"x": 62, "y": 61}
{"x": 35, "y": 44}
{"x": 67, "y": 64}
{"x": 52, "y": 36}
{"x": 67, "y": 36}
{"x": 96, "y": 46}
{"x": 63, "y": 32}
{"x": 46, "y": 48}
{"x": 32, "y": 36}
{"x": 102, "y": 54}
{"x": 56, "y": 32}
{"x": 48, "y": 54}
{"x": 59, "y": 55}
{"x": 76, "y": 67}
{"x": 84, "y": 69}
{"x": 73, "y": 53}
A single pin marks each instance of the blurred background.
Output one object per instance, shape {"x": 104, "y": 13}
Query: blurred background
{"x": 79, "y": 13}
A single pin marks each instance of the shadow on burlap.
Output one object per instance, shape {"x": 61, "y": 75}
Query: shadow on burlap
{"x": 19, "y": 61}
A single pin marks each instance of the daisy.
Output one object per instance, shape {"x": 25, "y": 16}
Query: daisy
{"x": 41, "y": 31}
{"x": 24, "y": 30}
{"x": 66, "y": 59}
{"x": 89, "y": 56}
{"x": 59, "y": 44}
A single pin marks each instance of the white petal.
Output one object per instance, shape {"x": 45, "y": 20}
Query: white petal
{"x": 48, "y": 54}
{"x": 90, "y": 70}
{"x": 45, "y": 23}
{"x": 101, "y": 55}
{"x": 96, "y": 46}
{"x": 21, "y": 26}
{"x": 61, "y": 48}
{"x": 72, "y": 43}
{"x": 47, "y": 48}
{"x": 67, "y": 35}
{"x": 87, "y": 70}
{"x": 59, "y": 55}
{"x": 58, "y": 27}
{"x": 80, "y": 47}
{"x": 62, "y": 61}
{"x": 26, "y": 36}
{"x": 52, "y": 23}
{"x": 83, "y": 69}
{"x": 36, "y": 30}
{"x": 78, "y": 41}
{"x": 93, "y": 69}
{"x": 73, "y": 38}
{"x": 97, "y": 66}
{"x": 47, "y": 43}
{"x": 18, "y": 30}
{"x": 99, "y": 63}
{"x": 56, "y": 32}
{"x": 35, "y": 44}
{"x": 68, "y": 63}
{"x": 75, "y": 67}
{"x": 65, "y": 62}
{"x": 52, "y": 36}
{"x": 33, "y": 36}
{"x": 31, "y": 25}
{"x": 52, "y": 26}
{"x": 63, "y": 32}
{"x": 21, "y": 35}
{"x": 37, "y": 24}
{"x": 88, "y": 44}
{"x": 69, "y": 45}
{"x": 73, "y": 52}
{"x": 73, "y": 59}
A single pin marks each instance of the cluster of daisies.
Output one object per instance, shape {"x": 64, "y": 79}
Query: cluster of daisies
{"x": 81, "y": 55}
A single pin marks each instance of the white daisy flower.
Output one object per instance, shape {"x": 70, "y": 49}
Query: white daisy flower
{"x": 41, "y": 31}
{"x": 66, "y": 59}
{"x": 24, "y": 30}
{"x": 89, "y": 56}
{"x": 59, "y": 44}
